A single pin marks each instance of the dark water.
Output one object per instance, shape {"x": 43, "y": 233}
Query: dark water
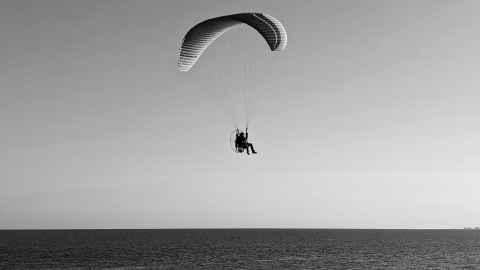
{"x": 240, "y": 249}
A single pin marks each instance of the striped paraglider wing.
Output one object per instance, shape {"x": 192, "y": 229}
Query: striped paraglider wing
{"x": 199, "y": 37}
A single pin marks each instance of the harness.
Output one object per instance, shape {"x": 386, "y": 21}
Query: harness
{"x": 237, "y": 147}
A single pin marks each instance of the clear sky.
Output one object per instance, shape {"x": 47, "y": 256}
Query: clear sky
{"x": 368, "y": 119}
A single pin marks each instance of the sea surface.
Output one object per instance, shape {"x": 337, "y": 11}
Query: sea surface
{"x": 240, "y": 249}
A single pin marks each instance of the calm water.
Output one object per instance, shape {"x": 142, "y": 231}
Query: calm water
{"x": 240, "y": 249}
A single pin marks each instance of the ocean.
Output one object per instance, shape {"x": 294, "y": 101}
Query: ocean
{"x": 240, "y": 249}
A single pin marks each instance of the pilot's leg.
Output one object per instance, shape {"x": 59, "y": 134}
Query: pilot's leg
{"x": 251, "y": 146}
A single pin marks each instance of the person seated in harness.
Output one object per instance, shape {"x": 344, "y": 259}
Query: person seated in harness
{"x": 241, "y": 142}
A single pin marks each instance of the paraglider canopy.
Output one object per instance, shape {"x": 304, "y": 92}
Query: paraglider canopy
{"x": 199, "y": 37}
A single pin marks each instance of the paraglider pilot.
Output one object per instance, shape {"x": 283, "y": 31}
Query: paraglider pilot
{"x": 241, "y": 142}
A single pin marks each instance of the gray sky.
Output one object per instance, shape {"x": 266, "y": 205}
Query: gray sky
{"x": 369, "y": 118}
